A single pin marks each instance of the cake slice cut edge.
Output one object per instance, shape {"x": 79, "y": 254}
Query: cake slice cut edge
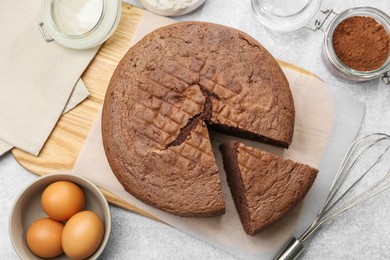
{"x": 264, "y": 187}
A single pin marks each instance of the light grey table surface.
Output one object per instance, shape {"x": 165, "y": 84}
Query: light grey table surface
{"x": 362, "y": 233}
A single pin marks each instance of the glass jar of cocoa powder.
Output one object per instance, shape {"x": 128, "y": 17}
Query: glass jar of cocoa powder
{"x": 356, "y": 41}
{"x": 372, "y": 53}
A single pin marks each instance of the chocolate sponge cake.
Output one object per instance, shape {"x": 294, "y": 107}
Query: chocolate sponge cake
{"x": 166, "y": 92}
{"x": 264, "y": 187}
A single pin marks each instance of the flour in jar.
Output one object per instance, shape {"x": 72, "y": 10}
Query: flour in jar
{"x": 172, "y": 5}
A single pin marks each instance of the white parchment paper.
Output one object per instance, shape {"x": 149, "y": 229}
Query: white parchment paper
{"x": 326, "y": 123}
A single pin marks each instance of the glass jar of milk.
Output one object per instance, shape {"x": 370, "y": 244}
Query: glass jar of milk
{"x": 79, "y": 24}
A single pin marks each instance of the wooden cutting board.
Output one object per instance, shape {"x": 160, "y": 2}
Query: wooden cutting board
{"x": 61, "y": 150}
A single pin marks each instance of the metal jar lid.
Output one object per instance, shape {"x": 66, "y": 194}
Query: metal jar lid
{"x": 79, "y": 24}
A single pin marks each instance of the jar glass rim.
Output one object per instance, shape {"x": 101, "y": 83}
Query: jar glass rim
{"x": 380, "y": 17}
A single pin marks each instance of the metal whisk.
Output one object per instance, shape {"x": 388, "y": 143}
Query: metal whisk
{"x": 374, "y": 145}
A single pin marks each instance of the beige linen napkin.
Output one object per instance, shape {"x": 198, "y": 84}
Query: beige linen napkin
{"x": 36, "y": 77}
{"x": 314, "y": 120}
{"x": 79, "y": 93}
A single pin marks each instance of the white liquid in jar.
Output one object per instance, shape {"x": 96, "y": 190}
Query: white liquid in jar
{"x": 76, "y": 17}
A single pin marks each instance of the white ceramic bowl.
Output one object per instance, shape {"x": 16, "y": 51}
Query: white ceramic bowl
{"x": 170, "y": 12}
{"x": 27, "y": 208}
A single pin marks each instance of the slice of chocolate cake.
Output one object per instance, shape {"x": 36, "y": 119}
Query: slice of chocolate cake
{"x": 264, "y": 186}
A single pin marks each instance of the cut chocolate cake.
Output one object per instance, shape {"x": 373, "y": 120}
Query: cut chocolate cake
{"x": 166, "y": 91}
{"x": 264, "y": 187}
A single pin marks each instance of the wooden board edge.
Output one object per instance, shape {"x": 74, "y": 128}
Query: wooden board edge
{"x": 115, "y": 200}
{"x": 297, "y": 69}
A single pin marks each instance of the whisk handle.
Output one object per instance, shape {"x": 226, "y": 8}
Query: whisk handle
{"x": 291, "y": 250}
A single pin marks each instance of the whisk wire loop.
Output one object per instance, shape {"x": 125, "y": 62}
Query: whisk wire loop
{"x": 362, "y": 147}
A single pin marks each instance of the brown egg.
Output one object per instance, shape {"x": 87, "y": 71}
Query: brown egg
{"x": 62, "y": 199}
{"x": 82, "y": 235}
{"x": 44, "y": 237}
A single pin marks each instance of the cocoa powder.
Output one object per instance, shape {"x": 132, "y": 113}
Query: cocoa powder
{"x": 361, "y": 43}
